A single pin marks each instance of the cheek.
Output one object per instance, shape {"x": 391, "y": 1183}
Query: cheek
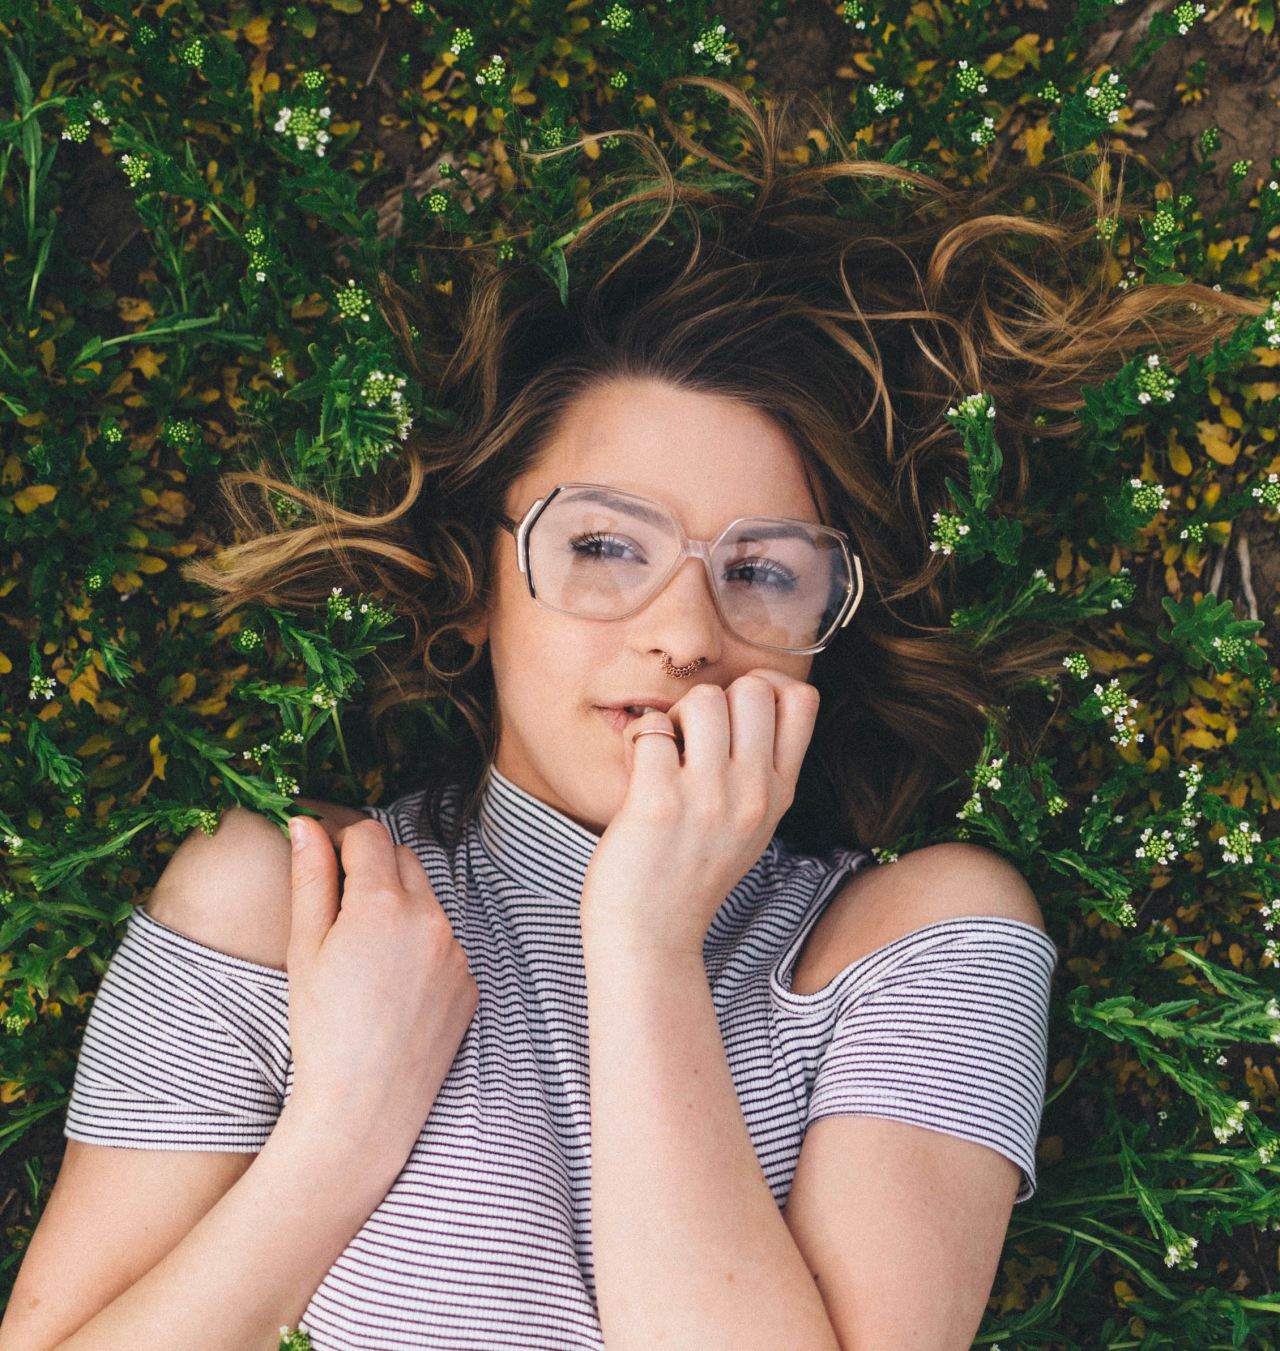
{"x": 543, "y": 661}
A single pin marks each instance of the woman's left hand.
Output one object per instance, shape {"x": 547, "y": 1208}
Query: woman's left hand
{"x": 687, "y": 833}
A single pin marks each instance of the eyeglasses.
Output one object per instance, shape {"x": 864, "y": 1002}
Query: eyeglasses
{"x": 598, "y": 553}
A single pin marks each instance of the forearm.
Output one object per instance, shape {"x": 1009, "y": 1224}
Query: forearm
{"x": 252, "y": 1263}
{"x": 690, "y": 1248}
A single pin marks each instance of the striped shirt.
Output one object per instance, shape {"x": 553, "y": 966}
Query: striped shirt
{"x": 483, "y": 1241}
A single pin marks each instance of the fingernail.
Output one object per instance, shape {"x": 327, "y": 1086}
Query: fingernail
{"x": 295, "y": 834}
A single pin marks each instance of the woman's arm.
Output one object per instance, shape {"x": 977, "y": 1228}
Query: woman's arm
{"x": 690, "y": 1247}
{"x": 251, "y": 1265}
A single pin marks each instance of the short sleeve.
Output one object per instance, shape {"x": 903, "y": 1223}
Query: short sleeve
{"x": 952, "y": 1035}
{"x": 185, "y": 1047}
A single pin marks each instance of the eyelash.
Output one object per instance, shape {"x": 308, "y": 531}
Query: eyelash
{"x": 578, "y": 541}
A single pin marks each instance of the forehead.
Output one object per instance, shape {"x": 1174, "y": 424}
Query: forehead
{"x": 709, "y": 459}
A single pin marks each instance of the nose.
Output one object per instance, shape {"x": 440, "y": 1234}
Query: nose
{"x": 682, "y": 617}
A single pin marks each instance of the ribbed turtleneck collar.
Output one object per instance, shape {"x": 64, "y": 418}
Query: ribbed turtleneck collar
{"x": 532, "y": 843}
{"x": 547, "y": 852}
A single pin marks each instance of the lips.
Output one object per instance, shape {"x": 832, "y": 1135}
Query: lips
{"x": 641, "y": 701}
{"x": 619, "y": 719}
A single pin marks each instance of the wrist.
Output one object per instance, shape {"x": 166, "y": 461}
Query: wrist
{"x": 606, "y": 944}
{"x": 329, "y": 1132}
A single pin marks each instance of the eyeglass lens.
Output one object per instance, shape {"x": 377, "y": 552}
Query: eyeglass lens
{"x": 602, "y": 556}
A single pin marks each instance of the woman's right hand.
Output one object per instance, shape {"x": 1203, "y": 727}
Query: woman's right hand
{"x": 380, "y": 993}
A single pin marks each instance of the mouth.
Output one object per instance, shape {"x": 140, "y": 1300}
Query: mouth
{"x": 619, "y": 719}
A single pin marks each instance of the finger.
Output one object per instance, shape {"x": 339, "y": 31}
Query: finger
{"x": 314, "y": 884}
{"x": 368, "y": 855}
{"x": 658, "y": 757}
{"x": 702, "y": 718}
{"x": 797, "y": 714}
{"x": 752, "y": 700}
{"x": 413, "y": 876}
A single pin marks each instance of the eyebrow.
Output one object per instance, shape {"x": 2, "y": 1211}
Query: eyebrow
{"x": 779, "y": 530}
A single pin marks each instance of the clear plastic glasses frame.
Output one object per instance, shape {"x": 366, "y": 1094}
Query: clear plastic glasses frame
{"x": 696, "y": 548}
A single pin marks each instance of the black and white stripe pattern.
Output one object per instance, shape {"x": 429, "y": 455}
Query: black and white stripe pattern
{"x": 483, "y": 1242}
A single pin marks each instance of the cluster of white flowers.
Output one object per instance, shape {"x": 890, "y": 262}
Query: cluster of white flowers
{"x": 1126, "y": 914}
{"x": 1184, "y": 834}
{"x": 1268, "y": 492}
{"x": 1148, "y": 498}
{"x": 1186, "y": 14}
{"x": 1179, "y": 1252}
{"x": 1078, "y": 664}
{"x": 1160, "y": 848}
{"x": 1272, "y": 1011}
{"x": 1105, "y": 98}
{"x": 353, "y": 301}
{"x": 974, "y": 406}
{"x": 1237, "y": 844}
{"x": 494, "y": 72}
{"x": 712, "y": 42}
{"x": 1126, "y": 587}
{"x": 43, "y": 687}
{"x": 379, "y": 385}
{"x": 884, "y": 97}
{"x": 259, "y": 753}
{"x": 1233, "y": 1123}
{"x": 340, "y": 606}
{"x": 304, "y": 125}
{"x": 137, "y": 168}
{"x": 1267, "y": 910}
{"x": 1121, "y": 709}
{"x": 1155, "y": 381}
{"x": 947, "y": 535}
{"x": 323, "y": 697}
{"x": 1271, "y": 324}
{"x": 969, "y": 78}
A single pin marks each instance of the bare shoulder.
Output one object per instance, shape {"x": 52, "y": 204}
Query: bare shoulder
{"x": 883, "y": 901}
{"x": 231, "y": 890}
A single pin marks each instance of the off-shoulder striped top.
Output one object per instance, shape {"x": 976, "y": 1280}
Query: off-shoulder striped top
{"x": 483, "y": 1241}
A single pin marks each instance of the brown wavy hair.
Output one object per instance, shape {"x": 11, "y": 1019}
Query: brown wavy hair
{"x": 852, "y": 300}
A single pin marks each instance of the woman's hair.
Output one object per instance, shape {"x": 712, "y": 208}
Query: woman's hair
{"x": 817, "y": 297}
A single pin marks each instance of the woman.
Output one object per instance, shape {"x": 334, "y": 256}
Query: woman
{"x": 610, "y": 1034}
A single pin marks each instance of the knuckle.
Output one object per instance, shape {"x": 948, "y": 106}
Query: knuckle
{"x": 444, "y": 945}
{"x": 382, "y": 893}
{"x": 367, "y": 827}
{"x": 405, "y": 852}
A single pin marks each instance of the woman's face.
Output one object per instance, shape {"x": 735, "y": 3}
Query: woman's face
{"x": 709, "y": 460}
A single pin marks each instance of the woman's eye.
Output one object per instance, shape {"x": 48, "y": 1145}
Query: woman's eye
{"x": 766, "y": 575}
{"x": 599, "y": 546}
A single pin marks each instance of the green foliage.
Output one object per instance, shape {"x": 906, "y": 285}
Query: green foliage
{"x": 246, "y": 169}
